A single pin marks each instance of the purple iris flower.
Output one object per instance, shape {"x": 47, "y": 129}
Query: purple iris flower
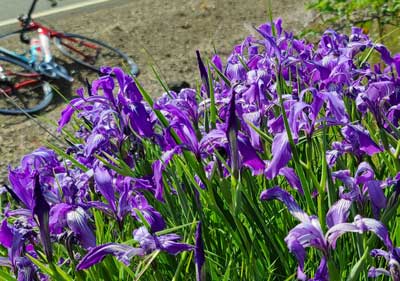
{"x": 78, "y": 221}
{"x": 336, "y": 107}
{"x": 292, "y": 178}
{"x": 281, "y": 155}
{"x": 185, "y": 102}
{"x": 43, "y": 162}
{"x": 15, "y": 239}
{"x": 56, "y": 197}
{"x": 147, "y": 242}
{"x": 6, "y": 235}
{"x": 235, "y": 71}
{"x": 241, "y": 153}
{"x": 360, "y": 140}
{"x": 158, "y": 168}
{"x": 182, "y": 125}
{"x": 127, "y": 202}
{"x": 362, "y": 187}
{"x": 41, "y": 211}
{"x": 379, "y": 90}
{"x": 216, "y": 60}
{"x": 203, "y": 73}
{"x": 356, "y": 140}
{"x": 309, "y": 232}
{"x": 58, "y": 215}
{"x": 112, "y": 114}
{"x": 257, "y": 81}
{"x": 104, "y": 184}
{"x": 123, "y": 253}
{"x": 214, "y": 140}
{"x": 247, "y": 156}
{"x": 392, "y": 258}
{"x": 385, "y": 53}
{"x": 70, "y": 212}
{"x": 271, "y": 42}
{"x": 168, "y": 242}
{"x": 153, "y": 217}
{"x": 27, "y": 270}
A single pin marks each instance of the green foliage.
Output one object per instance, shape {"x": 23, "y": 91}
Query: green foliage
{"x": 340, "y": 14}
{"x": 244, "y": 238}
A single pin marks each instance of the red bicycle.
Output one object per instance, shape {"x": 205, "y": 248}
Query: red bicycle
{"x": 24, "y": 78}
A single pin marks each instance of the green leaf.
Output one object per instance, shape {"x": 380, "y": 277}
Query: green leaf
{"x": 153, "y": 256}
{"x": 356, "y": 270}
{"x": 213, "y": 110}
{"x": 5, "y": 276}
{"x": 64, "y": 155}
{"x": 174, "y": 229}
{"x": 55, "y": 272}
{"x": 221, "y": 75}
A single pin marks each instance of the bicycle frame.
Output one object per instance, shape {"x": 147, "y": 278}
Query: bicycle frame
{"x": 51, "y": 33}
{"x": 46, "y": 67}
{"x": 21, "y": 85}
{"x": 14, "y": 55}
{"x": 25, "y": 23}
{"x": 45, "y": 34}
{"x": 22, "y": 71}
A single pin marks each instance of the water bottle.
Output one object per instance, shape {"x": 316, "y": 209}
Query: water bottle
{"x": 35, "y": 50}
{"x": 45, "y": 44}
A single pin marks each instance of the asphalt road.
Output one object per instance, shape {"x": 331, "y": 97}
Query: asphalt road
{"x": 11, "y": 9}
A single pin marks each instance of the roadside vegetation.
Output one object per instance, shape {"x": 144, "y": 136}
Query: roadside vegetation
{"x": 284, "y": 146}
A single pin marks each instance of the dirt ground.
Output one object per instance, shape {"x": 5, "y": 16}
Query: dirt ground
{"x": 163, "y": 32}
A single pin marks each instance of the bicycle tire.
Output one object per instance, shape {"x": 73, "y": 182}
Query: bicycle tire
{"x": 22, "y": 89}
{"x": 65, "y": 48}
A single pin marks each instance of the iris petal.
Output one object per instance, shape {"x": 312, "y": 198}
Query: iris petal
{"x": 287, "y": 199}
{"x": 95, "y": 255}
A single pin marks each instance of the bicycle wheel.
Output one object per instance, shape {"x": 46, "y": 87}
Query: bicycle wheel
{"x": 93, "y": 53}
{"x": 22, "y": 90}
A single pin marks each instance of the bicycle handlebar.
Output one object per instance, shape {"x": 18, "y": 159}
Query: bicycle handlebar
{"x": 31, "y": 9}
{"x": 26, "y": 20}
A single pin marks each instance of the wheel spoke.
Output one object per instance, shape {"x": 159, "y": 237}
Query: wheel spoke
{"x": 92, "y": 53}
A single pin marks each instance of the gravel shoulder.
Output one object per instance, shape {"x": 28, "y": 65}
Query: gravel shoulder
{"x": 164, "y": 33}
